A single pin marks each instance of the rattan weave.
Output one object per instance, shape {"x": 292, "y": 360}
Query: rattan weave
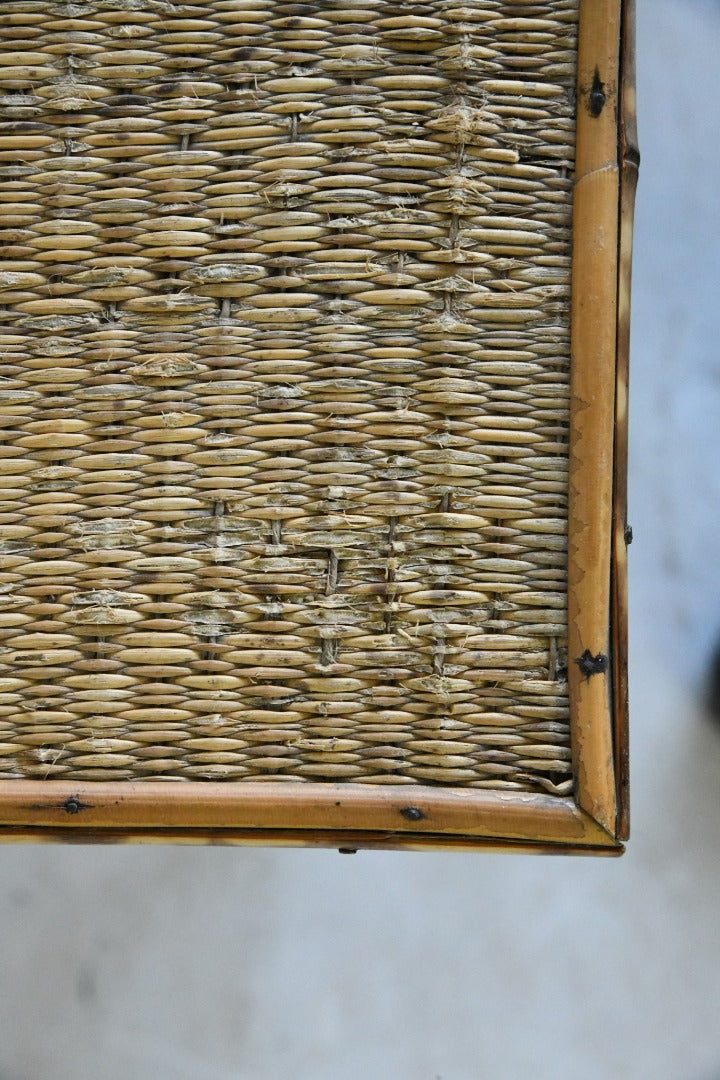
{"x": 284, "y": 397}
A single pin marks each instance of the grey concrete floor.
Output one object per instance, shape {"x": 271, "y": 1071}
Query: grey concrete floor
{"x": 242, "y": 964}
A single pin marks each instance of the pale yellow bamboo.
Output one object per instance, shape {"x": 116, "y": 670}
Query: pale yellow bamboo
{"x": 346, "y": 843}
{"x": 630, "y": 159}
{"x": 594, "y": 306}
{"x": 323, "y": 807}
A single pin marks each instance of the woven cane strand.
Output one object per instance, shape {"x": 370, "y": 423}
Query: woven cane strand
{"x": 284, "y": 396}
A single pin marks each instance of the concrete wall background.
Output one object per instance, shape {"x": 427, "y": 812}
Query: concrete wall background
{"x": 232, "y": 964}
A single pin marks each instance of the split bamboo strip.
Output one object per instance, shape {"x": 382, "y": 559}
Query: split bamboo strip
{"x": 622, "y": 534}
{"x": 594, "y": 320}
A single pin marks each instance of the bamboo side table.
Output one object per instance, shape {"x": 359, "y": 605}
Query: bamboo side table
{"x": 314, "y": 403}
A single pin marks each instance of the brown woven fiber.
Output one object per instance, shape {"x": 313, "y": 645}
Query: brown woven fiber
{"x": 285, "y": 390}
